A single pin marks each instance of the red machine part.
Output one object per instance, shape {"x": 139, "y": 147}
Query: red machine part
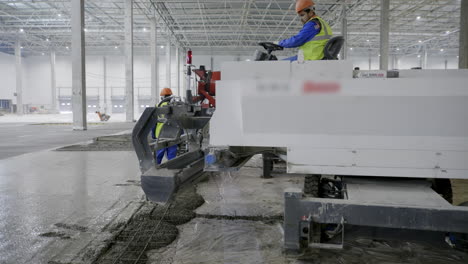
{"x": 206, "y": 87}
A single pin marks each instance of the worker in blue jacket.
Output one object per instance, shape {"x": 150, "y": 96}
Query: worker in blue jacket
{"x": 313, "y": 36}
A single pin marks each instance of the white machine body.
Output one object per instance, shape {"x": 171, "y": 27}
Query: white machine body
{"x": 331, "y": 123}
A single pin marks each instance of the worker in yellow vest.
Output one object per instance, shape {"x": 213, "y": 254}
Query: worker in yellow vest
{"x": 313, "y": 36}
{"x": 166, "y": 96}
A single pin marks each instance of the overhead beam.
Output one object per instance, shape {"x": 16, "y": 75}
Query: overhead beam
{"x": 384, "y": 33}
{"x": 78, "y": 65}
{"x": 129, "y": 100}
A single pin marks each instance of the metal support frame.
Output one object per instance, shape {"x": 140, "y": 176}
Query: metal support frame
{"x": 431, "y": 213}
{"x": 78, "y": 65}
{"x": 463, "y": 52}
{"x": 384, "y": 33}
{"x": 53, "y": 83}
{"x": 19, "y": 79}
{"x": 154, "y": 64}
{"x": 129, "y": 91}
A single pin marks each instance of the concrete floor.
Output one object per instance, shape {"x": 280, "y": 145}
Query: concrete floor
{"x": 62, "y": 206}
{"x": 21, "y": 138}
{"x": 236, "y": 240}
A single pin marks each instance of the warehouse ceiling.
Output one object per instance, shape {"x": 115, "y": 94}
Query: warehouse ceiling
{"x": 226, "y": 27}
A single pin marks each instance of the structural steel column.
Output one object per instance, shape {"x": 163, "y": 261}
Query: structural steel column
{"x": 53, "y": 83}
{"x": 344, "y": 29}
{"x": 384, "y": 33}
{"x": 424, "y": 64}
{"x": 463, "y": 53}
{"x": 19, "y": 80}
{"x": 129, "y": 101}
{"x": 177, "y": 58}
{"x": 104, "y": 84}
{"x": 78, "y": 65}
{"x": 154, "y": 65}
{"x": 168, "y": 62}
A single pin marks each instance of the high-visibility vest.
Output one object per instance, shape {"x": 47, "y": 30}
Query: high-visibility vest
{"x": 159, "y": 126}
{"x": 313, "y": 50}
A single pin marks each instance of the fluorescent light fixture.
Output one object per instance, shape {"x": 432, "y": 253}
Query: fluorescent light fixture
{"x": 418, "y": 17}
{"x": 441, "y": 50}
{"x": 420, "y": 41}
{"x": 59, "y": 15}
{"x": 21, "y": 30}
{"x": 162, "y": 47}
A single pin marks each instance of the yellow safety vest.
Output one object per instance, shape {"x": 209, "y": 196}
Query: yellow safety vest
{"x": 159, "y": 126}
{"x": 313, "y": 50}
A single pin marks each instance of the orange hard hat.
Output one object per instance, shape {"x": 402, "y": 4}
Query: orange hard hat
{"x": 303, "y": 4}
{"x": 166, "y": 91}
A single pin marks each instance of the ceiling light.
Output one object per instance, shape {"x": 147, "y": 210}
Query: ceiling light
{"x": 350, "y": 48}
{"x": 441, "y": 50}
{"x": 85, "y": 29}
{"x": 418, "y": 17}
{"x": 102, "y": 38}
{"x": 116, "y": 47}
{"x": 162, "y": 47}
{"x": 447, "y": 32}
{"x": 21, "y": 30}
{"x": 144, "y": 29}
{"x": 397, "y": 48}
{"x": 419, "y": 56}
{"x": 368, "y": 40}
{"x": 46, "y": 39}
{"x": 43, "y": 53}
{"x": 21, "y": 47}
{"x": 59, "y": 15}
{"x": 379, "y": 55}
{"x": 419, "y": 41}
{"x": 67, "y": 47}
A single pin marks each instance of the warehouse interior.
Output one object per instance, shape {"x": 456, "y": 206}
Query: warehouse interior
{"x": 357, "y": 157}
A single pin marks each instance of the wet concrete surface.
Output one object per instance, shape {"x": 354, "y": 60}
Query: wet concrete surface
{"x": 20, "y": 138}
{"x": 61, "y": 207}
{"x": 237, "y": 224}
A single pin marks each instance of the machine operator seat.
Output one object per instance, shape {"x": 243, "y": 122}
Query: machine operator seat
{"x": 333, "y": 48}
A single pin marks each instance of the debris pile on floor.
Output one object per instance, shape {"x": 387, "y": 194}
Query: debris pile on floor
{"x": 105, "y": 143}
{"x": 152, "y": 227}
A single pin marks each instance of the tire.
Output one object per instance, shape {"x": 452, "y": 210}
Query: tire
{"x": 311, "y": 185}
{"x": 444, "y": 188}
{"x": 267, "y": 165}
{"x": 312, "y": 189}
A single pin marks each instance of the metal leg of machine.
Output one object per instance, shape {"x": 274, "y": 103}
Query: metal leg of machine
{"x": 390, "y": 203}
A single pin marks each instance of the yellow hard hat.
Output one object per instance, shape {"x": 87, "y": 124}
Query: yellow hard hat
{"x": 303, "y": 4}
{"x": 166, "y": 91}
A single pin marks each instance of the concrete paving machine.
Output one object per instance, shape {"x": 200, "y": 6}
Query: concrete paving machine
{"x": 374, "y": 146}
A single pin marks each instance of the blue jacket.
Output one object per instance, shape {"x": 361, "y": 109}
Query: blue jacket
{"x": 306, "y": 34}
